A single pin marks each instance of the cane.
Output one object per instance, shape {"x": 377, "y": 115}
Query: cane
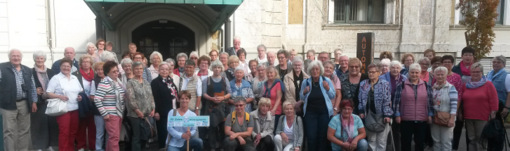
{"x": 187, "y": 148}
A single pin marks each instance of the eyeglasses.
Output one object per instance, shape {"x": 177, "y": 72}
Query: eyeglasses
{"x": 239, "y": 105}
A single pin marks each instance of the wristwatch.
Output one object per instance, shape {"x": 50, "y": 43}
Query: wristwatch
{"x": 336, "y": 109}
{"x": 196, "y": 108}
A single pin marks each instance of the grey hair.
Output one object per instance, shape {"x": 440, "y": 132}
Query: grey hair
{"x": 396, "y": 63}
{"x": 297, "y": 59}
{"x": 189, "y": 63}
{"x": 216, "y": 63}
{"x": 338, "y": 49}
{"x": 91, "y": 44}
{"x": 137, "y": 63}
{"x": 107, "y": 56}
{"x": 224, "y": 53}
{"x": 170, "y": 61}
{"x": 126, "y": 61}
{"x": 262, "y": 65}
{"x": 477, "y": 65}
{"x": 12, "y": 50}
{"x": 261, "y": 46}
{"x": 386, "y": 61}
{"x": 193, "y": 53}
{"x": 238, "y": 99}
{"x": 164, "y": 64}
{"x": 154, "y": 54}
{"x": 310, "y": 51}
{"x": 180, "y": 55}
{"x": 39, "y": 54}
{"x": 315, "y": 63}
{"x": 238, "y": 68}
{"x": 329, "y": 62}
{"x": 415, "y": 66}
{"x": 500, "y": 58}
{"x": 424, "y": 59}
{"x": 284, "y": 52}
{"x": 441, "y": 68}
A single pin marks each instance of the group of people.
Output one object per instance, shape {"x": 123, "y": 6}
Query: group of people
{"x": 259, "y": 104}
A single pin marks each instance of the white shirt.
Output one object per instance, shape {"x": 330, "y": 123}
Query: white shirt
{"x": 209, "y": 73}
{"x": 60, "y": 85}
{"x": 87, "y": 86}
{"x": 288, "y": 130}
{"x": 154, "y": 72}
{"x": 185, "y": 81}
{"x": 261, "y": 61}
{"x": 245, "y": 67}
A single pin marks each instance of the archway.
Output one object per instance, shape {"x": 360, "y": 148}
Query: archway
{"x": 167, "y": 37}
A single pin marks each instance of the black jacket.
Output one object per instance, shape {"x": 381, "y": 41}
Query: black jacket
{"x": 162, "y": 96}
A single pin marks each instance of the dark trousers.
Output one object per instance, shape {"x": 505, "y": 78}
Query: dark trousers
{"x": 162, "y": 132}
{"x": 409, "y": 129}
{"x": 428, "y": 136}
{"x": 265, "y": 144}
{"x": 395, "y": 137}
{"x": 316, "y": 129}
{"x": 233, "y": 145}
{"x": 136, "y": 142}
{"x": 457, "y": 132}
{"x": 276, "y": 120}
{"x": 497, "y": 144}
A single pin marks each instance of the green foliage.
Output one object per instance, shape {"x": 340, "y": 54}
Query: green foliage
{"x": 480, "y": 17}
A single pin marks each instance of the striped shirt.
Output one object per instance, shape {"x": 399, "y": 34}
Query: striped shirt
{"x": 109, "y": 97}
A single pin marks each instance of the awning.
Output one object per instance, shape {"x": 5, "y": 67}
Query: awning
{"x": 213, "y": 12}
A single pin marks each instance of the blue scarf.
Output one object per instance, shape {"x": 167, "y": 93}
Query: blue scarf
{"x": 476, "y": 84}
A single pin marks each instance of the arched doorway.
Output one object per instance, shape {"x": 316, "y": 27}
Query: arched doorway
{"x": 167, "y": 37}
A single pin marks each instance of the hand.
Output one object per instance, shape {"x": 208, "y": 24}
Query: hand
{"x": 257, "y": 139}
{"x": 197, "y": 112}
{"x": 156, "y": 116}
{"x": 429, "y": 120}
{"x": 34, "y": 107}
{"x": 307, "y": 89}
{"x": 362, "y": 115}
{"x": 451, "y": 122}
{"x": 63, "y": 98}
{"x": 345, "y": 145}
{"x": 39, "y": 91}
{"x": 233, "y": 136}
{"x": 459, "y": 117}
{"x": 353, "y": 145}
{"x": 325, "y": 85}
{"x": 284, "y": 137}
{"x": 139, "y": 113}
{"x": 397, "y": 119}
{"x": 241, "y": 140}
{"x": 79, "y": 98}
{"x": 152, "y": 114}
{"x": 297, "y": 106}
{"x": 335, "y": 113}
{"x": 387, "y": 120}
{"x": 296, "y": 148}
{"x": 273, "y": 112}
{"x": 185, "y": 136}
{"x": 106, "y": 117}
{"x": 504, "y": 112}
{"x": 493, "y": 115}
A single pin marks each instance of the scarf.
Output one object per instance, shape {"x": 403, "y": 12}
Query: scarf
{"x": 89, "y": 77}
{"x": 438, "y": 87}
{"x": 476, "y": 84}
{"x": 348, "y": 128}
{"x": 464, "y": 70}
{"x": 173, "y": 90}
{"x": 42, "y": 76}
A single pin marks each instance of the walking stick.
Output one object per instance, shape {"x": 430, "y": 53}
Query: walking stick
{"x": 187, "y": 148}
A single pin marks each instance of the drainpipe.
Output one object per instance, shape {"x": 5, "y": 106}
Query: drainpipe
{"x": 400, "y": 22}
{"x": 434, "y": 25}
{"x": 49, "y": 27}
{"x": 306, "y": 29}
{"x": 228, "y": 37}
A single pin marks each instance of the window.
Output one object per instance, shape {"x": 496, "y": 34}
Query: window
{"x": 500, "y": 10}
{"x": 359, "y": 11}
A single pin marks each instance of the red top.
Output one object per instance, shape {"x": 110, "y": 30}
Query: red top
{"x": 277, "y": 87}
{"x": 479, "y": 102}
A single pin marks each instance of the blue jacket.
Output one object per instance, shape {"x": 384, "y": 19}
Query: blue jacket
{"x": 498, "y": 79}
{"x": 382, "y": 97}
{"x": 328, "y": 94}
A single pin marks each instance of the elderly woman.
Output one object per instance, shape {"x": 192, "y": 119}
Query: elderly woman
{"x": 273, "y": 89}
{"x": 214, "y": 54}
{"x": 127, "y": 66}
{"x": 193, "y": 56}
{"x": 43, "y": 128}
{"x": 91, "y": 50}
{"x": 346, "y": 130}
{"x": 241, "y": 88}
{"x": 182, "y": 134}
{"x": 480, "y": 103}
{"x": 350, "y": 83}
{"x": 109, "y": 100}
{"x": 264, "y": 126}
{"x": 85, "y": 76}
{"x": 318, "y": 93}
{"x": 445, "y": 110}
{"x": 464, "y": 66}
{"x": 289, "y": 132}
{"x": 140, "y": 104}
{"x": 293, "y": 82}
{"x": 155, "y": 58}
{"x": 181, "y": 61}
{"x": 407, "y": 59}
{"x": 501, "y": 80}
{"x": 329, "y": 72}
{"x": 238, "y": 128}
{"x": 375, "y": 100}
{"x": 250, "y": 77}
{"x": 139, "y": 57}
{"x": 434, "y": 63}
{"x": 343, "y": 70}
{"x": 243, "y": 63}
{"x": 98, "y": 119}
{"x": 193, "y": 84}
{"x": 224, "y": 59}
{"x": 454, "y": 79}
{"x": 424, "y": 74}
{"x": 171, "y": 66}
{"x": 414, "y": 108}
{"x": 384, "y": 66}
{"x": 233, "y": 63}
{"x": 203, "y": 68}
{"x": 66, "y": 87}
{"x": 164, "y": 91}
{"x": 216, "y": 90}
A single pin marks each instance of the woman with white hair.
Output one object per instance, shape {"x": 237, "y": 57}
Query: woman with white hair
{"x": 155, "y": 59}
{"x": 384, "y": 66}
{"x": 501, "y": 80}
{"x": 44, "y": 128}
{"x": 216, "y": 90}
{"x": 241, "y": 88}
{"x": 171, "y": 66}
{"x": 293, "y": 82}
{"x": 445, "y": 110}
{"x": 181, "y": 61}
{"x": 317, "y": 93}
{"x": 127, "y": 66}
{"x": 233, "y": 63}
{"x": 329, "y": 72}
{"x": 91, "y": 50}
{"x": 413, "y": 108}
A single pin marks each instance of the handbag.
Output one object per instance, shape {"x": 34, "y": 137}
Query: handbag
{"x": 56, "y": 107}
{"x": 442, "y": 118}
{"x": 147, "y": 128}
{"x": 374, "y": 122}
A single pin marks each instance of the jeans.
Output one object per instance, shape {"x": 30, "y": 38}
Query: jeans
{"x": 195, "y": 144}
{"x": 362, "y": 145}
{"x": 442, "y": 137}
{"x": 410, "y": 129}
{"x": 475, "y": 128}
{"x": 316, "y": 129}
{"x": 100, "y": 135}
{"x": 377, "y": 141}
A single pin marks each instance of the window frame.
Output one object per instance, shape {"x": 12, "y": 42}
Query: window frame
{"x": 348, "y": 13}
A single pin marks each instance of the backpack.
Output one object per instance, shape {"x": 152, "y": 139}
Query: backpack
{"x": 247, "y": 117}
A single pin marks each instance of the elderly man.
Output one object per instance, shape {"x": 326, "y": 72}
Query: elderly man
{"x": 191, "y": 82}
{"x": 324, "y": 56}
{"x": 132, "y": 50}
{"x": 283, "y": 66}
{"x": 338, "y": 53}
{"x": 261, "y": 50}
{"x": 343, "y": 70}
{"x": 69, "y": 53}
{"x": 271, "y": 57}
{"x": 237, "y": 45}
{"x": 18, "y": 98}
{"x": 310, "y": 55}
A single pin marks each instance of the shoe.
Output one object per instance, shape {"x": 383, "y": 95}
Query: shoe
{"x": 81, "y": 149}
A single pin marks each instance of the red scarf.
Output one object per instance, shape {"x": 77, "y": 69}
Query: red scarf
{"x": 88, "y": 77}
{"x": 465, "y": 70}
